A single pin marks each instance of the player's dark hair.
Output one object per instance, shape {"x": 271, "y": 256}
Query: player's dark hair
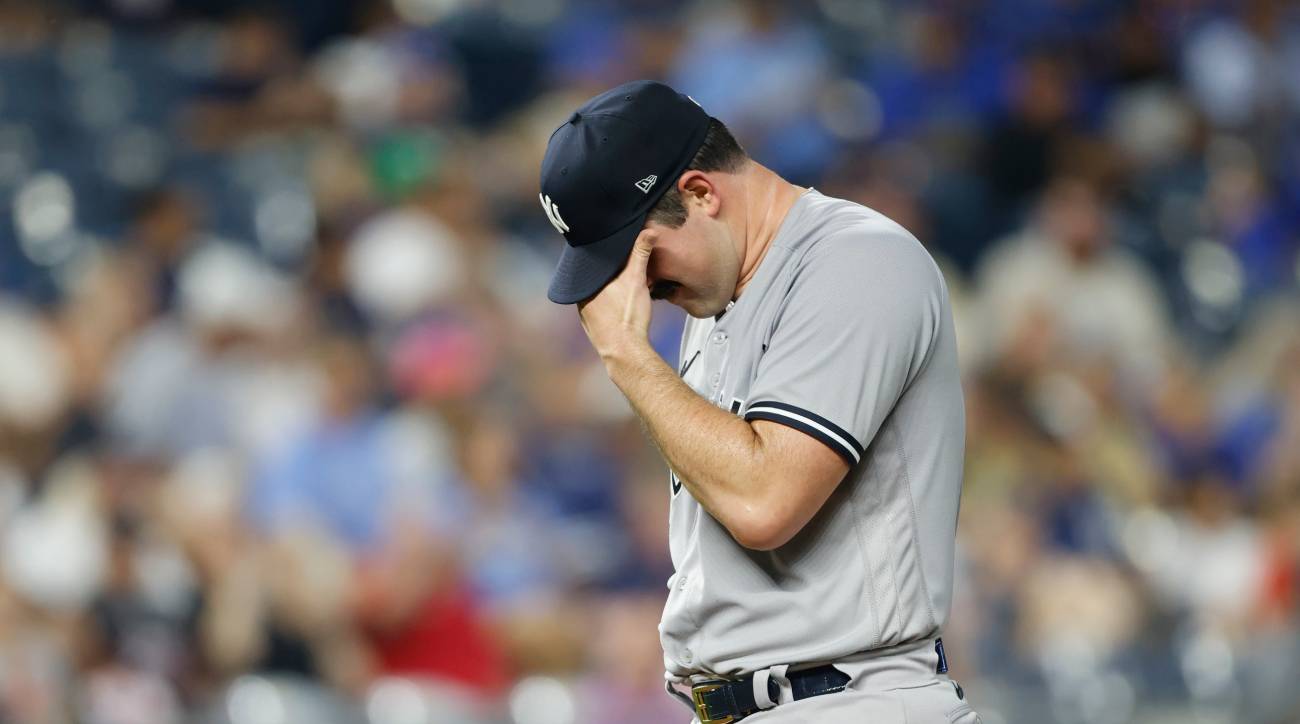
{"x": 719, "y": 152}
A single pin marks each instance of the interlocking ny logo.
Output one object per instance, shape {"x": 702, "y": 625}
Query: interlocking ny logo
{"x": 553, "y": 213}
{"x": 645, "y": 183}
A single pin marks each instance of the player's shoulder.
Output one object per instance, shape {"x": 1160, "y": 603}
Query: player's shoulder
{"x": 847, "y": 240}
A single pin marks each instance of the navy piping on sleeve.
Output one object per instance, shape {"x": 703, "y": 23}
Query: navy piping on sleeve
{"x": 832, "y": 435}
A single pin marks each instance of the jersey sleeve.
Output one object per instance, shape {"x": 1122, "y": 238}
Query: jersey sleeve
{"x": 857, "y": 324}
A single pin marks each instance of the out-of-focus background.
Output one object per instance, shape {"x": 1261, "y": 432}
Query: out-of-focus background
{"x": 289, "y": 432}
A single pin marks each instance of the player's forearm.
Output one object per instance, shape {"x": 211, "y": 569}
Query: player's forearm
{"x": 716, "y": 454}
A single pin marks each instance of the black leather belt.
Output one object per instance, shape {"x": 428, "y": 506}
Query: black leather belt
{"x": 727, "y": 701}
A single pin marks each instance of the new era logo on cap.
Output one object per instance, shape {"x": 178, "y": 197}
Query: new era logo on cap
{"x": 645, "y": 183}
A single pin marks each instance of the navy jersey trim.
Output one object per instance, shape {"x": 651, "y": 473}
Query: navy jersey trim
{"x": 687, "y": 367}
{"x": 830, "y": 434}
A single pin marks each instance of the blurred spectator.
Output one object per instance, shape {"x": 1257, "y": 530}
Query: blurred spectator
{"x": 758, "y": 64}
{"x": 163, "y": 227}
{"x": 339, "y": 481}
{"x": 1064, "y": 279}
{"x": 1041, "y": 100}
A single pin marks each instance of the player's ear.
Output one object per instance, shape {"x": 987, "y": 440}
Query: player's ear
{"x": 699, "y": 191}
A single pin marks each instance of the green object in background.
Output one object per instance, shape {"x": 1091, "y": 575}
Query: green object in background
{"x": 403, "y": 161}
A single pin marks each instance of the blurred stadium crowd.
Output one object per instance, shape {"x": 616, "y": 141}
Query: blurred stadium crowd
{"x": 289, "y": 433}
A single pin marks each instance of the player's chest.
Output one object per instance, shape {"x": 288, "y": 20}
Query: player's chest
{"x": 719, "y": 361}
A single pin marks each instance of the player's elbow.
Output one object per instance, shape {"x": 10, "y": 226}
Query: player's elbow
{"x": 763, "y": 530}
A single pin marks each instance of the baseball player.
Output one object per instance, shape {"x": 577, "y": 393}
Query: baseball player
{"x": 814, "y": 430}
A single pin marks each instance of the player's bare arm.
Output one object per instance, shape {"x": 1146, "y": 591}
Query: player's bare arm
{"x": 763, "y": 481}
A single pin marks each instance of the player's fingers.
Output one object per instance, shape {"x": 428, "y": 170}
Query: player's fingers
{"x": 639, "y": 260}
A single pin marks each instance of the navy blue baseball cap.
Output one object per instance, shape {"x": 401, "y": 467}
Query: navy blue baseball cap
{"x": 605, "y": 168}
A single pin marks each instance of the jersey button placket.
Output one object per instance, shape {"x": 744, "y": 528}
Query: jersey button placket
{"x": 718, "y": 341}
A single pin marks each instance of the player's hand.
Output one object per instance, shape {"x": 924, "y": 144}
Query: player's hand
{"x": 618, "y": 317}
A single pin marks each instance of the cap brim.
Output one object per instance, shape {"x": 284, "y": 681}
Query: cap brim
{"x": 585, "y": 270}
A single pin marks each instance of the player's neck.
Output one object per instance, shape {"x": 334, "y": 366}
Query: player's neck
{"x": 768, "y": 199}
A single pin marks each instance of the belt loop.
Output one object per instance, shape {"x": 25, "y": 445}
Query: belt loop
{"x": 941, "y": 667}
{"x": 763, "y": 697}
{"x": 785, "y": 689}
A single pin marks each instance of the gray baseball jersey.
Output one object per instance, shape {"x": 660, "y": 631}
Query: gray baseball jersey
{"x": 845, "y": 333}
